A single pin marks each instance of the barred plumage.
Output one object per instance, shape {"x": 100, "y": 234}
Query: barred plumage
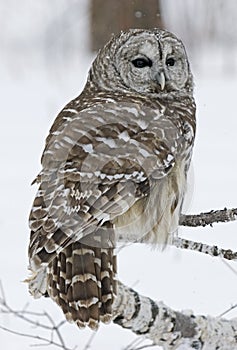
{"x": 81, "y": 281}
{"x": 114, "y": 165}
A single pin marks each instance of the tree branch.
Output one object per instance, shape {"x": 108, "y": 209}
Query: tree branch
{"x": 195, "y": 220}
{"x": 157, "y": 322}
{"x": 171, "y": 329}
{"x": 200, "y": 247}
{"x": 209, "y": 218}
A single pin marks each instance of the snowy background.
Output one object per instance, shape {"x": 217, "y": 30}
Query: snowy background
{"x": 44, "y": 61}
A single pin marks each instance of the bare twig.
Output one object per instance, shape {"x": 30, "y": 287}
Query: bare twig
{"x": 37, "y": 337}
{"x": 145, "y": 346}
{"x": 136, "y": 344}
{"x": 56, "y": 329}
{"x": 228, "y": 310}
{"x": 3, "y": 298}
{"x": 230, "y": 267}
{"x": 28, "y": 317}
{"x": 88, "y": 344}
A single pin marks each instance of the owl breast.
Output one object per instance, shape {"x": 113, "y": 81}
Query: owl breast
{"x": 155, "y": 219}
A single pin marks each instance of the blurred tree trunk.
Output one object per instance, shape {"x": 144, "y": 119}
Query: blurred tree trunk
{"x": 112, "y": 16}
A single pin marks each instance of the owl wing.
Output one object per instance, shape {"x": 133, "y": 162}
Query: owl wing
{"x": 97, "y": 164}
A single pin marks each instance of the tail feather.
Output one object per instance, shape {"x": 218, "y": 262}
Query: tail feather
{"x": 82, "y": 281}
{"x": 107, "y": 272}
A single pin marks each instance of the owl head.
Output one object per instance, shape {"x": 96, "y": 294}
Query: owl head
{"x": 143, "y": 61}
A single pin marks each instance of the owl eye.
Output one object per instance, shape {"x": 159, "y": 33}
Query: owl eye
{"x": 170, "y": 62}
{"x": 142, "y": 62}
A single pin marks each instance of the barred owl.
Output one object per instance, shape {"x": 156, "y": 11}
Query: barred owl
{"x": 114, "y": 167}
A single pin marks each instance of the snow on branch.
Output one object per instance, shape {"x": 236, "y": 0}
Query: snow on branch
{"x": 171, "y": 329}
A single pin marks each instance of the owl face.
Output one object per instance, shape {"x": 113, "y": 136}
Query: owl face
{"x": 142, "y": 61}
{"x": 152, "y": 63}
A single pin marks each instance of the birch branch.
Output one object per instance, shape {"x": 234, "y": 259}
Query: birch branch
{"x": 209, "y": 218}
{"x": 171, "y": 329}
{"x": 200, "y": 247}
{"x": 204, "y": 219}
{"x": 195, "y": 220}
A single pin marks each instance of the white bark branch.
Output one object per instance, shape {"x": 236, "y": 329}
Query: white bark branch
{"x": 195, "y": 220}
{"x": 200, "y": 247}
{"x": 171, "y": 329}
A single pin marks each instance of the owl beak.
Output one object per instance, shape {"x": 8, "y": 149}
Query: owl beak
{"x": 160, "y": 78}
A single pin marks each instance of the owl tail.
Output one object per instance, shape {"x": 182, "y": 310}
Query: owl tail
{"x": 82, "y": 280}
